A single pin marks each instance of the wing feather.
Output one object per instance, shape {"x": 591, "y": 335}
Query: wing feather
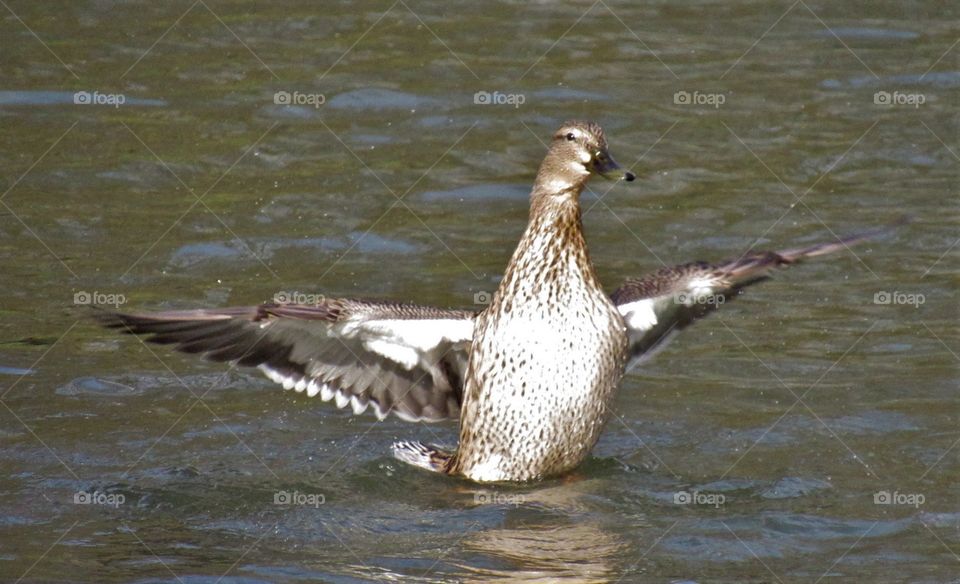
{"x": 400, "y": 358}
{"x": 658, "y": 305}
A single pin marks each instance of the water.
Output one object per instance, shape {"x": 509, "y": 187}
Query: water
{"x": 762, "y": 446}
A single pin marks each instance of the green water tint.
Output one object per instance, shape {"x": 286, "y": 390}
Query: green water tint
{"x": 291, "y": 208}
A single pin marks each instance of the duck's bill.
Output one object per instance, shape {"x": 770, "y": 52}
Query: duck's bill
{"x": 608, "y": 168}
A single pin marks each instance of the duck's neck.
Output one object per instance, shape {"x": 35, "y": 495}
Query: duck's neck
{"x": 552, "y": 254}
{"x": 555, "y": 223}
{"x": 555, "y": 203}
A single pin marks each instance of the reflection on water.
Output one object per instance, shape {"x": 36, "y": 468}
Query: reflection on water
{"x": 545, "y": 553}
{"x": 550, "y": 533}
{"x": 202, "y": 190}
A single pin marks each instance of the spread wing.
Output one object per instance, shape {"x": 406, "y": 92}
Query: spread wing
{"x": 399, "y": 358}
{"x": 658, "y": 305}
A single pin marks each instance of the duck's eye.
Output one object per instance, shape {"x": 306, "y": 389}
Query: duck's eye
{"x": 571, "y": 136}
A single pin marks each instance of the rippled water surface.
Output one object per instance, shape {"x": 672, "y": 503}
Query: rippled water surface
{"x": 807, "y": 432}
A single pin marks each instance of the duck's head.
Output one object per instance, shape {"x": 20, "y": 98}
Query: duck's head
{"x": 577, "y": 151}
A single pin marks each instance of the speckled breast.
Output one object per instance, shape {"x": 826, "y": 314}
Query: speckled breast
{"x": 544, "y": 376}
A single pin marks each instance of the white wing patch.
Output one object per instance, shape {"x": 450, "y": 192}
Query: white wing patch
{"x": 640, "y": 315}
{"x": 647, "y": 316}
{"x": 422, "y": 335}
{"x": 411, "y": 342}
{"x": 404, "y": 355}
{"x": 701, "y": 287}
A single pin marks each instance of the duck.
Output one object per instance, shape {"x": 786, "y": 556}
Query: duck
{"x": 531, "y": 377}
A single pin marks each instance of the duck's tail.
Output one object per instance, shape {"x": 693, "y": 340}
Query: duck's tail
{"x": 423, "y": 456}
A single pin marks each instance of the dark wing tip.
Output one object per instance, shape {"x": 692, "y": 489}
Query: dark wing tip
{"x": 193, "y": 331}
{"x": 798, "y": 254}
{"x": 113, "y": 319}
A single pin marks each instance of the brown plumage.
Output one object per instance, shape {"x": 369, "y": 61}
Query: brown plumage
{"x": 548, "y": 352}
{"x": 531, "y": 378}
